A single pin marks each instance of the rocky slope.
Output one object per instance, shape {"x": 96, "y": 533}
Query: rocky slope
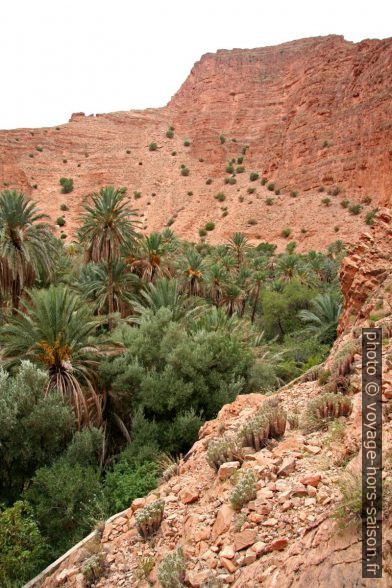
{"x": 315, "y": 113}
{"x": 286, "y": 536}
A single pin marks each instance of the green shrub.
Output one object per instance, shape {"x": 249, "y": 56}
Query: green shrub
{"x": 293, "y": 194}
{"x": 253, "y": 176}
{"x": 366, "y": 200}
{"x": 187, "y": 143}
{"x": 240, "y": 169}
{"x": 40, "y": 149}
{"x": 370, "y": 216}
{"x": 60, "y": 221}
{"x": 230, "y": 181}
{"x": 137, "y": 195}
{"x": 63, "y": 236}
{"x": 64, "y": 207}
{"x": 271, "y": 187}
{"x": 190, "y": 193}
{"x": 67, "y": 185}
{"x": 251, "y": 190}
{"x": 22, "y": 548}
{"x": 326, "y": 201}
{"x": 222, "y": 139}
{"x": 169, "y": 133}
{"x": 240, "y": 160}
{"x": 229, "y": 169}
{"x": 269, "y": 201}
{"x": 286, "y": 233}
{"x": 174, "y": 153}
{"x": 149, "y": 518}
{"x": 345, "y": 203}
{"x": 321, "y": 189}
{"x": 222, "y": 450}
{"x": 209, "y": 182}
{"x": 126, "y": 482}
{"x": 184, "y": 171}
{"x": 355, "y": 209}
{"x": 152, "y": 147}
{"x": 210, "y": 226}
{"x": 263, "y": 181}
{"x": 202, "y": 232}
{"x": 220, "y": 197}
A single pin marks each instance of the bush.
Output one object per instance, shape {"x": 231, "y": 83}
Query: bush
{"x": 210, "y": 226}
{"x": 240, "y": 160}
{"x": 222, "y": 139}
{"x": 126, "y": 482}
{"x": 355, "y": 209}
{"x": 366, "y": 200}
{"x": 269, "y": 201}
{"x": 149, "y": 518}
{"x": 253, "y": 176}
{"x": 263, "y": 181}
{"x": 169, "y": 133}
{"x": 344, "y": 203}
{"x": 334, "y": 191}
{"x": 209, "y": 182}
{"x": 67, "y": 185}
{"x": 202, "y": 232}
{"x": 64, "y": 207}
{"x": 22, "y": 548}
{"x": 325, "y": 408}
{"x": 252, "y": 222}
{"x": 223, "y": 450}
{"x": 171, "y": 572}
{"x": 137, "y": 195}
{"x": 67, "y": 499}
{"x": 293, "y": 194}
{"x": 349, "y": 510}
{"x": 326, "y": 201}
{"x": 321, "y": 189}
{"x": 229, "y": 169}
{"x": 230, "y": 181}
{"x": 60, "y": 221}
{"x": 220, "y": 197}
{"x": 184, "y": 171}
{"x": 152, "y": 147}
{"x": 190, "y": 193}
{"x": 286, "y": 233}
{"x": 271, "y": 186}
{"x": 240, "y": 169}
{"x": 186, "y": 143}
{"x": 251, "y": 190}
{"x": 370, "y": 216}
{"x": 40, "y": 149}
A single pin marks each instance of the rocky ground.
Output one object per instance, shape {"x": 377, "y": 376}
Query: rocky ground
{"x": 287, "y": 535}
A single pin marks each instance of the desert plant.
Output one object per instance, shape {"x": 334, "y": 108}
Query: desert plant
{"x": 293, "y": 194}
{"x": 326, "y": 201}
{"x": 252, "y": 222}
{"x": 189, "y": 193}
{"x": 222, "y": 139}
{"x": 325, "y": 408}
{"x": 240, "y": 160}
{"x": 137, "y": 195}
{"x": 268, "y": 423}
{"x": 152, "y": 147}
{"x": 264, "y": 181}
{"x": 293, "y": 420}
{"x": 349, "y": 509}
{"x": 171, "y": 572}
{"x": 253, "y": 176}
{"x": 229, "y": 168}
{"x": 209, "y": 181}
{"x": 66, "y": 185}
{"x": 202, "y": 232}
{"x": 184, "y": 171}
{"x": 210, "y": 226}
{"x": 145, "y": 565}
{"x": 186, "y": 143}
{"x": 169, "y": 134}
{"x": 286, "y": 233}
{"x": 269, "y": 201}
{"x": 220, "y": 197}
{"x": 251, "y": 190}
{"x": 243, "y": 491}
{"x": 60, "y": 221}
{"x": 271, "y": 186}
{"x": 370, "y": 216}
{"x": 64, "y": 207}
{"x": 149, "y": 518}
{"x": 223, "y": 450}
{"x": 334, "y": 191}
{"x": 277, "y": 191}
{"x": 345, "y": 203}
{"x": 93, "y": 567}
{"x": 355, "y": 209}
{"x": 240, "y": 169}
{"x": 174, "y": 153}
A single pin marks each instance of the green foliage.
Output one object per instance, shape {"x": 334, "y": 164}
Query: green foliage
{"x": 149, "y": 518}
{"x": 152, "y": 147}
{"x": 325, "y": 408}
{"x": 349, "y": 510}
{"x": 355, "y": 209}
{"x": 286, "y": 233}
{"x": 34, "y": 427}
{"x": 22, "y": 548}
{"x": 240, "y": 169}
{"x": 126, "y": 482}
{"x": 209, "y": 182}
{"x": 184, "y": 171}
{"x": 220, "y": 197}
{"x": 279, "y": 308}
{"x": 187, "y": 143}
{"x": 60, "y": 221}
{"x": 210, "y": 226}
{"x": 170, "y": 133}
{"x": 253, "y": 176}
{"x": 370, "y": 216}
{"x": 66, "y": 499}
{"x": 244, "y": 490}
{"x": 230, "y": 169}
{"x": 222, "y": 139}
{"x": 66, "y": 185}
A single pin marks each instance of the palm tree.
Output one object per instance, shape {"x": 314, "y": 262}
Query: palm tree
{"x": 216, "y": 277}
{"x": 93, "y": 284}
{"x": 233, "y": 298}
{"x": 163, "y": 293}
{"x": 148, "y": 261}
{"x": 322, "y": 319}
{"x": 53, "y": 329}
{"x": 27, "y": 247}
{"x": 239, "y": 245}
{"x": 191, "y": 266}
{"x": 108, "y": 230}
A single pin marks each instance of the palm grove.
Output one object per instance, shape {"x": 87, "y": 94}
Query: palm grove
{"x": 115, "y": 349}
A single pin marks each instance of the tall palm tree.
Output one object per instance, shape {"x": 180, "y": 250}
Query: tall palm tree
{"x": 27, "y": 247}
{"x": 149, "y": 257}
{"x": 322, "y": 318}
{"x": 108, "y": 229}
{"x": 239, "y": 245}
{"x": 53, "y": 329}
{"x": 163, "y": 293}
{"x": 216, "y": 277}
{"x": 93, "y": 284}
{"x": 191, "y": 266}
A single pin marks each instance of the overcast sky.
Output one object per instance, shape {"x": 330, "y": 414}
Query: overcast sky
{"x": 106, "y": 55}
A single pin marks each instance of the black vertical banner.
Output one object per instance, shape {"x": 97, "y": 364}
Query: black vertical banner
{"x": 371, "y": 453}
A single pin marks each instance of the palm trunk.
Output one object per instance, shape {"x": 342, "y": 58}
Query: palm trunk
{"x": 110, "y": 294}
{"x": 255, "y": 302}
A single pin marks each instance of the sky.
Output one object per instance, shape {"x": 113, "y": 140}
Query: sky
{"x": 107, "y": 55}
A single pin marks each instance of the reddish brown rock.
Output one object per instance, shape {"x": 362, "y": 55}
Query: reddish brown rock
{"x": 244, "y": 539}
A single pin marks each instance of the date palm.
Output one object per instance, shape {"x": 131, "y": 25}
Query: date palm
{"x": 108, "y": 230}
{"x": 239, "y": 245}
{"x": 148, "y": 261}
{"x": 323, "y": 316}
{"x": 27, "y": 246}
{"x": 93, "y": 284}
{"x": 53, "y": 329}
{"x": 163, "y": 293}
{"x": 191, "y": 266}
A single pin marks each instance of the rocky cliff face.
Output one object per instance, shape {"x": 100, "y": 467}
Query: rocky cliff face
{"x": 286, "y": 536}
{"x": 315, "y": 113}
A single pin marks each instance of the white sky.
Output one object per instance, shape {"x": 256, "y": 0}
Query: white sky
{"x": 59, "y": 57}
